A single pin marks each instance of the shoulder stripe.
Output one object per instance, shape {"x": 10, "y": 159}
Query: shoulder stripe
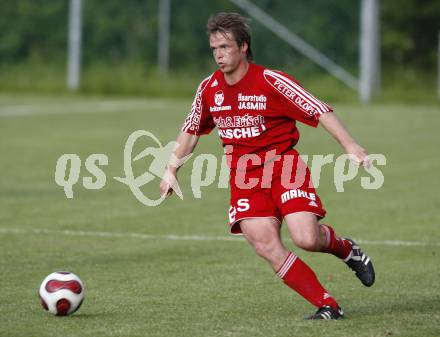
{"x": 319, "y": 106}
{"x": 193, "y": 119}
{"x": 299, "y": 90}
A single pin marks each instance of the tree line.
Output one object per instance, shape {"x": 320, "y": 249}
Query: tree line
{"x": 126, "y": 31}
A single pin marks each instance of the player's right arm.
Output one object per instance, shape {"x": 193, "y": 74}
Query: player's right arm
{"x": 198, "y": 122}
{"x": 186, "y": 144}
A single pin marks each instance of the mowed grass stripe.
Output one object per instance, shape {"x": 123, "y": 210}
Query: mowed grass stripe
{"x": 175, "y": 237}
{"x": 80, "y": 107}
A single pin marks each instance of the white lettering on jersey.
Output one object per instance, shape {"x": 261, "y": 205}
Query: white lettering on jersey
{"x": 238, "y": 121}
{"x": 243, "y": 205}
{"x": 296, "y": 94}
{"x": 251, "y": 98}
{"x": 238, "y": 133}
{"x": 219, "y": 108}
{"x": 251, "y": 102}
{"x": 232, "y": 214}
{"x": 239, "y": 127}
{"x": 292, "y": 194}
{"x": 251, "y": 106}
{"x": 192, "y": 121}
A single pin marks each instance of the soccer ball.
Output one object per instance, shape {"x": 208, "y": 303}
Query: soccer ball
{"x": 61, "y": 293}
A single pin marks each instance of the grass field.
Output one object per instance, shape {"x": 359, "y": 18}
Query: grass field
{"x": 171, "y": 270}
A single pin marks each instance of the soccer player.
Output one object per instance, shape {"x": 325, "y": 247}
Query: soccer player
{"x": 256, "y": 110}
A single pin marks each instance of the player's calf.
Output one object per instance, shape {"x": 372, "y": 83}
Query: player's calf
{"x": 350, "y": 252}
{"x": 337, "y": 246}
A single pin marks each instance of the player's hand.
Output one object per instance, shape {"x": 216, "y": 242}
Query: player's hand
{"x": 166, "y": 185}
{"x": 358, "y": 155}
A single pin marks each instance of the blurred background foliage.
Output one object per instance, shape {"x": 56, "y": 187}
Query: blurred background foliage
{"x": 120, "y": 45}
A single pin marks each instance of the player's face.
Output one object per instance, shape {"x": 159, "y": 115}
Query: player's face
{"x": 227, "y": 54}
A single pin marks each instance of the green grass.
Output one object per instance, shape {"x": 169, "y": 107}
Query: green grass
{"x": 139, "y": 286}
{"x": 100, "y": 78}
{"x": 403, "y": 84}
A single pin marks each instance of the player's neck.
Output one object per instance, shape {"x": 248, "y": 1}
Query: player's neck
{"x": 238, "y": 73}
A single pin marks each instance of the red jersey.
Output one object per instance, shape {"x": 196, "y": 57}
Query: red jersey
{"x": 256, "y": 115}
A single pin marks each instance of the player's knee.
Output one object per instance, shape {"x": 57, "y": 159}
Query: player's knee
{"x": 265, "y": 249}
{"x": 308, "y": 242}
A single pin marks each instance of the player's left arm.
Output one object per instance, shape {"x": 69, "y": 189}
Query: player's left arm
{"x": 339, "y": 132}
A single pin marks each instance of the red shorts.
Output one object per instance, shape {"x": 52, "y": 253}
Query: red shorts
{"x": 272, "y": 192}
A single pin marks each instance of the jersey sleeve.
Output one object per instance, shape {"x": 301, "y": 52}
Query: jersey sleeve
{"x": 299, "y": 104}
{"x": 199, "y": 121}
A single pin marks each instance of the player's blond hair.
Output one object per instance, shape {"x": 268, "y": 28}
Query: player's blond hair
{"x": 232, "y": 23}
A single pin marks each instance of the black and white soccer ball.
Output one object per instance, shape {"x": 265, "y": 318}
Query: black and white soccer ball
{"x": 61, "y": 293}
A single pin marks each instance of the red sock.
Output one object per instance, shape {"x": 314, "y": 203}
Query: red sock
{"x": 336, "y": 246}
{"x": 298, "y": 276}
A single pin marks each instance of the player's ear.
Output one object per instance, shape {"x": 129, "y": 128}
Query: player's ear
{"x": 244, "y": 47}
